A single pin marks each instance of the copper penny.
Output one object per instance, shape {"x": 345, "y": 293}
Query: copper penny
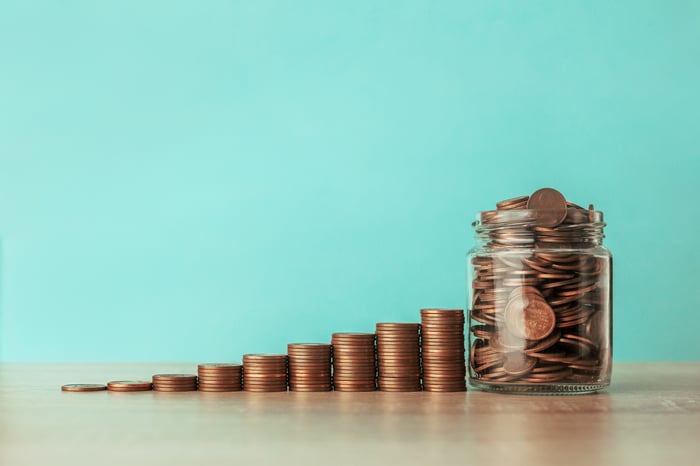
{"x": 518, "y": 363}
{"x": 175, "y": 378}
{"x": 83, "y": 387}
{"x": 531, "y": 319}
{"x": 129, "y": 385}
{"x": 220, "y": 388}
{"x": 174, "y": 389}
{"x": 549, "y": 206}
{"x": 216, "y": 366}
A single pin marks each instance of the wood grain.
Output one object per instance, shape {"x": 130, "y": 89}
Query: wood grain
{"x": 650, "y": 416}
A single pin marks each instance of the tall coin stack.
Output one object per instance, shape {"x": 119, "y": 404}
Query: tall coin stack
{"x": 265, "y": 372}
{"x": 398, "y": 357}
{"x": 354, "y": 362}
{"x": 219, "y": 377}
{"x": 442, "y": 339}
{"x": 174, "y": 382}
{"x": 309, "y": 367}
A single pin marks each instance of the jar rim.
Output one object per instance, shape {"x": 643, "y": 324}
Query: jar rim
{"x": 527, "y": 217}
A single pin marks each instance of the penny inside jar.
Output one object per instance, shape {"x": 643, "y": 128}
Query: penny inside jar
{"x": 540, "y": 297}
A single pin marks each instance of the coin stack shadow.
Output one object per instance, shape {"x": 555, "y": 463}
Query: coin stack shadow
{"x": 354, "y": 362}
{"x": 309, "y": 367}
{"x": 265, "y": 372}
{"x": 442, "y": 352}
{"x": 174, "y": 382}
{"x": 398, "y": 357}
{"x": 220, "y": 377}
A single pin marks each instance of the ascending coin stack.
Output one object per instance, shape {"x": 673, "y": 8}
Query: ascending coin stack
{"x": 219, "y": 377}
{"x": 174, "y": 382}
{"x": 394, "y": 358}
{"x": 265, "y": 372}
{"x": 354, "y": 362}
{"x": 309, "y": 367}
{"x": 398, "y": 357}
{"x": 442, "y": 339}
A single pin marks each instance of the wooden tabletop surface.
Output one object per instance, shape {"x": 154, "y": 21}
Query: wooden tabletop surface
{"x": 649, "y": 416}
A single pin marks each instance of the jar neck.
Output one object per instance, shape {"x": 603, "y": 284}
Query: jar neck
{"x": 581, "y": 229}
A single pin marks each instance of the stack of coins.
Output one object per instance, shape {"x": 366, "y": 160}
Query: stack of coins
{"x": 309, "y": 367}
{"x": 83, "y": 387}
{"x": 540, "y": 309}
{"x": 265, "y": 372}
{"x": 354, "y": 362}
{"x": 220, "y": 377}
{"x": 398, "y": 357}
{"x": 129, "y": 386}
{"x": 442, "y": 339}
{"x": 174, "y": 382}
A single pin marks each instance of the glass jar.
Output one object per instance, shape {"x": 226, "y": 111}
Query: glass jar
{"x": 540, "y": 300}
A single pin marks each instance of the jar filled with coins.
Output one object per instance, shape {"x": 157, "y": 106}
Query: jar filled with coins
{"x": 540, "y": 297}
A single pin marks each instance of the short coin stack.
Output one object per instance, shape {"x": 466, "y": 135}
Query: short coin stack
{"x": 220, "y": 377}
{"x": 129, "y": 386}
{"x": 398, "y": 357}
{"x": 83, "y": 387}
{"x": 265, "y": 372}
{"x": 174, "y": 382}
{"x": 309, "y": 367}
{"x": 354, "y": 362}
{"x": 442, "y": 338}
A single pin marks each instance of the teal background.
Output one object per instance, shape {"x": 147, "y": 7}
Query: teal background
{"x": 197, "y": 180}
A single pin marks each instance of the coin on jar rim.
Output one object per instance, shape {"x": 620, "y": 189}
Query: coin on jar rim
{"x": 549, "y": 206}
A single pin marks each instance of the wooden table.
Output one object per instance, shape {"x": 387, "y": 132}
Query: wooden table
{"x": 650, "y": 415}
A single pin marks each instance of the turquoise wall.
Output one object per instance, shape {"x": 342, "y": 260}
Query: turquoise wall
{"x": 196, "y": 180}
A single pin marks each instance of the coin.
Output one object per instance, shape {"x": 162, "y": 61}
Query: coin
{"x": 454, "y": 386}
{"x": 549, "y": 206}
{"x": 174, "y": 389}
{"x": 518, "y": 363}
{"x": 543, "y": 368}
{"x": 264, "y": 358}
{"x": 83, "y": 387}
{"x": 219, "y": 366}
{"x": 207, "y": 388}
{"x": 519, "y": 202}
{"x": 409, "y": 327}
{"x": 443, "y": 350}
{"x": 216, "y": 383}
{"x": 547, "y": 377}
{"x": 266, "y": 389}
{"x": 175, "y": 378}
{"x": 398, "y": 355}
{"x": 354, "y": 365}
{"x": 312, "y": 389}
{"x": 129, "y": 385}
{"x": 264, "y": 372}
{"x": 528, "y": 318}
{"x": 543, "y": 344}
{"x": 171, "y": 382}
{"x": 352, "y": 337}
